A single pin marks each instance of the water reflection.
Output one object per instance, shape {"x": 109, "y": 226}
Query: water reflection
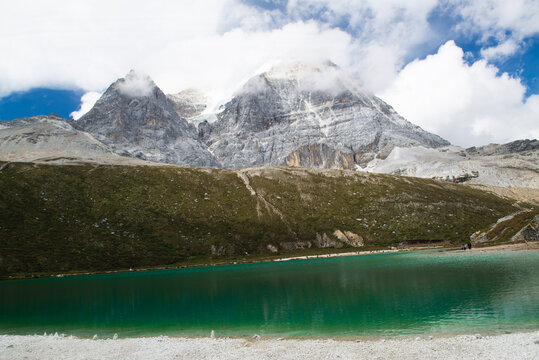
{"x": 369, "y": 295}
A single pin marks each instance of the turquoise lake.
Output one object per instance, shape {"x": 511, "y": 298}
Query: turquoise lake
{"x": 372, "y": 295}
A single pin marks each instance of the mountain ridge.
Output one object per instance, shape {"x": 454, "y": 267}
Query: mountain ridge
{"x": 298, "y": 115}
{"x": 136, "y": 119}
{"x": 275, "y": 118}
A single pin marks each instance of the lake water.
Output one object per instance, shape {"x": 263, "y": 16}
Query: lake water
{"x": 374, "y": 295}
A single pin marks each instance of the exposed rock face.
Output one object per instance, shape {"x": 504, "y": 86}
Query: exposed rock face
{"x": 223, "y": 250}
{"x": 459, "y": 178}
{"x": 529, "y": 232}
{"x": 514, "y": 147}
{"x": 354, "y": 239}
{"x": 134, "y": 118}
{"x": 324, "y": 241}
{"x": 272, "y": 248}
{"x": 304, "y": 115}
{"x": 295, "y": 115}
{"x": 321, "y": 156}
{"x": 295, "y": 245}
{"x": 497, "y": 232}
{"x": 47, "y": 137}
{"x": 349, "y": 238}
{"x": 188, "y": 103}
{"x": 497, "y": 166}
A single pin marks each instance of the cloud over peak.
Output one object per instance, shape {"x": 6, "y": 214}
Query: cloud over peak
{"x": 217, "y": 45}
{"x": 135, "y": 84}
{"x": 468, "y": 104}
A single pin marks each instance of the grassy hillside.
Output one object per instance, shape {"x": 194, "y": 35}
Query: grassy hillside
{"x": 86, "y": 217}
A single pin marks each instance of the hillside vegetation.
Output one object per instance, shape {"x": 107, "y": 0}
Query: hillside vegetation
{"x": 61, "y": 218}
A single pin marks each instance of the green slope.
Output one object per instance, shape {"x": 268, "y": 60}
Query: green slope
{"x": 59, "y": 218}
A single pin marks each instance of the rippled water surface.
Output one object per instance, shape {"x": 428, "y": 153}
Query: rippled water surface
{"x": 374, "y": 295}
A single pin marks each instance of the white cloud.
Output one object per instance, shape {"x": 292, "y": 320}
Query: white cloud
{"x": 88, "y": 101}
{"x": 136, "y": 84}
{"x": 466, "y": 104}
{"x": 83, "y": 44}
{"x": 495, "y": 17}
{"x": 502, "y": 50}
{"x": 377, "y": 66}
{"x": 216, "y": 45}
{"x": 507, "y": 22}
{"x": 380, "y": 20}
{"x": 74, "y": 43}
{"x": 219, "y": 64}
{"x": 319, "y": 76}
{"x": 385, "y": 31}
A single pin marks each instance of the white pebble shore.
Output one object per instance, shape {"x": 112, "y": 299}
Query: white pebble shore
{"x": 507, "y": 346}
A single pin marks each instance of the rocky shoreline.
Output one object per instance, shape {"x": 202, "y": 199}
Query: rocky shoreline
{"x": 524, "y": 345}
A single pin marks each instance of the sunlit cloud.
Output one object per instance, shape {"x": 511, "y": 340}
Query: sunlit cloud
{"x": 217, "y": 45}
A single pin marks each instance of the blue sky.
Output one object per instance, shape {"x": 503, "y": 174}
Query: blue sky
{"x": 466, "y": 70}
{"x": 39, "y": 101}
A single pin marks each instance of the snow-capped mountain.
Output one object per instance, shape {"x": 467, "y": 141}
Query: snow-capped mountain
{"x": 189, "y": 104}
{"x": 295, "y": 115}
{"x": 515, "y": 164}
{"x": 136, "y": 119}
{"x": 307, "y": 115}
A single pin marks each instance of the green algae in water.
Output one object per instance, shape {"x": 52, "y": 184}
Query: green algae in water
{"x": 374, "y": 295}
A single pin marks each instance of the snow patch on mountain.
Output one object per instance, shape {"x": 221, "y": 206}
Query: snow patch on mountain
{"x": 146, "y": 127}
{"x": 288, "y": 115}
{"x": 455, "y": 164}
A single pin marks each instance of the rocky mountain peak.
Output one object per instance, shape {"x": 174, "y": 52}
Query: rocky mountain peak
{"x": 136, "y": 119}
{"x": 307, "y": 115}
{"x": 131, "y": 101}
{"x": 302, "y": 77}
{"x": 297, "y": 114}
{"x": 518, "y": 146}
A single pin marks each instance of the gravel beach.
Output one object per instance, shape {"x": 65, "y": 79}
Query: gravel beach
{"x": 507, "y": 346}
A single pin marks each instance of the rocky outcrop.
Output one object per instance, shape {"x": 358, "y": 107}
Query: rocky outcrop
{"x": 349, "y": 238}
{"x": 324, "y": 241}
{"x": 295, "y": 245}
{"x": 514, "y": 147}
{"x": 518, "y": 169}
{"x": 223, "y": 250}
{"x": 136, "y": 119}
{"x": 272, "y": 248}
{"x": 459, "y": 178}
{"x": 509, "y": 228}
{"x": 321, "y": 156}
{"x": 188, "y": 103}
{"x": 46, "y": 138}
{"x": 529, "y": 232}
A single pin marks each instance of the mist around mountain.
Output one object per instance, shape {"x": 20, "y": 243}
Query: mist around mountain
{"x": 307, "y": 115}
{"x": 136, "y": 119}
{"x": 297, "y": 114}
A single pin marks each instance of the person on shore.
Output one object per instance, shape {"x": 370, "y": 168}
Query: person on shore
{"x": 470, "y": 245}
{"x": 463, "y": 247}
